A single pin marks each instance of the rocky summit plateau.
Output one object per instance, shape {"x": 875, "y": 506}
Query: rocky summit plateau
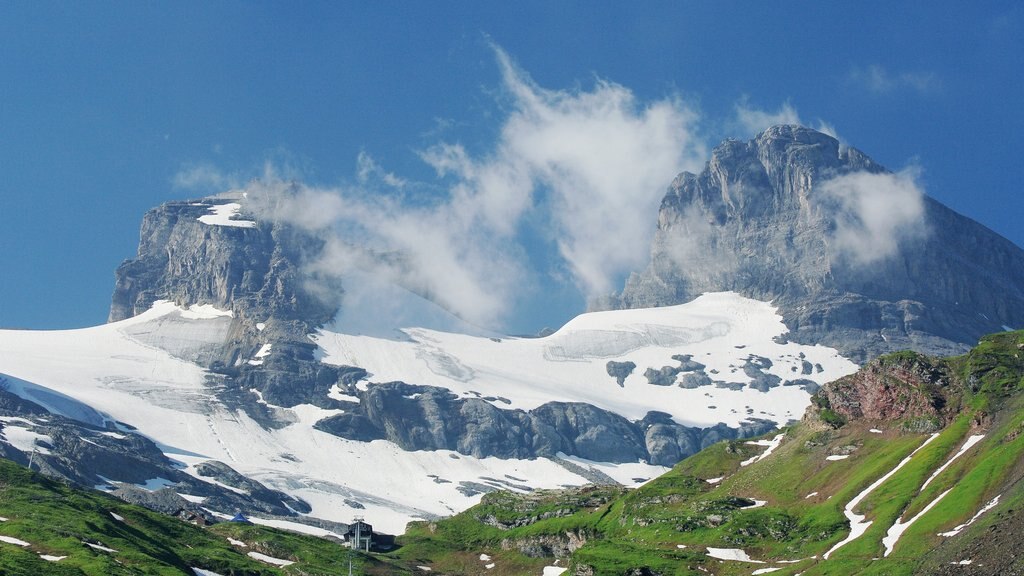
{"x": 227, "y": 379}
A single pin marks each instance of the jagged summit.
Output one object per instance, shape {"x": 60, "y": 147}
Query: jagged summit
{"x": 855, "y": 256}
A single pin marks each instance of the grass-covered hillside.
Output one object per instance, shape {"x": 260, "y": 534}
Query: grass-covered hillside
{"x": 911, "y": 466}
{"x": 48, "y": 527}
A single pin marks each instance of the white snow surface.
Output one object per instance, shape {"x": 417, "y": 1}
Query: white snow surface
{"x": 201, "y": 572}
{"x": 225, "y": 215}
{"x": 771, "y": 444}
{"x": 137, "y": 371}
{"x": 22, "y": 438}
{"x": 720, "y": 330}
{"x": 270, "y": 559}
{"x": 13, "y": 540}
{"x": 764, "y": 571}
{"x": 734, "y": 554}
{"x": 52, "y": 558}
{"x": 835, "y": 457}
{"x": 554, "y": 571}
{"x": 99, "y": 547}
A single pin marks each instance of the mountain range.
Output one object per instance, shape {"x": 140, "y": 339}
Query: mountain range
{"x": 226, "y": 381}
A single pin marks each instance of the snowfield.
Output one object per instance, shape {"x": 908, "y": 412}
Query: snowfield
{"x": 133, "y": 372}
{"x": 720, "y": 330}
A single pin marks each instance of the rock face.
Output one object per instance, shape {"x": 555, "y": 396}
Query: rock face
{"x": 256, "y": 273}
{"x": 432, "y": 418}
{"x": 901, "y": 387}
{"x": 760, "y": 220}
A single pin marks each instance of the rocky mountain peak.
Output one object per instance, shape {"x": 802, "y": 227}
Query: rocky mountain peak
{"x": 847, "y": 249}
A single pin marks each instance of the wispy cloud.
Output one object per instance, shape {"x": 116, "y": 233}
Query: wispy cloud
{"x": 588, "y": 168}
{"x": 874, "y": 214}
{"x": 877, "y": 80}
{"x": 367, "y": 170}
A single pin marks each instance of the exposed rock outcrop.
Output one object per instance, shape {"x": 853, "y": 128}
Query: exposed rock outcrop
{"x": 432, "y": 418}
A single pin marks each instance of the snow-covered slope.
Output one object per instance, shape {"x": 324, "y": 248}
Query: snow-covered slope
{"x": 132, "y": 372}
{"x": 722, "y": 331}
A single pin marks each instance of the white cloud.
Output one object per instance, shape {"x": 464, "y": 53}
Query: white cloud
{"x": 368, "y": 170}
{"x": 877, "y": 80}
{"x": 751, "y": 121}
{"x": 874, "y": 213}
{"x": 587, "y": 167}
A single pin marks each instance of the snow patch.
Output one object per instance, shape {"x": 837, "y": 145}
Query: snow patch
{"x": 811, "y": 495}
{"x": 835, "y": 457}
{"x": 771, "y": 444}
{"x": 202, "y": 312}
{"x": 25, "y": 440}
{"x": 50, "y": 558}
{"x": 261, "y": 354}
{"x": 13, "y": 540}
{"x": 733, "y": 554}
{"x": 485, "y": 558}
{"x": 201, "y": 572}
{"x": 99, "y": 547}
{"x": 554, "y": 571}
{"x": 224, "y": 215}
{"x": 269, "y": 559}
{"x": 117, "y": 517}
{"x": 875, "y": 431}
{"x": 336, "y": 393}
{"x": 765, "y": 571}
{"x": 238, "y": 543}
{"x": 715, "y": 480}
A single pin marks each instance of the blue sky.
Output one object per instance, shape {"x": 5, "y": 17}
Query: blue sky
{"x": 107, "y": 106}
